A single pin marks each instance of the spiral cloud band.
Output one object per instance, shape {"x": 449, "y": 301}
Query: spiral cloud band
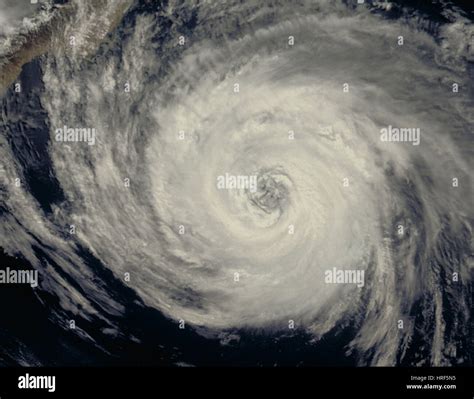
{"x": 253, "y": 166}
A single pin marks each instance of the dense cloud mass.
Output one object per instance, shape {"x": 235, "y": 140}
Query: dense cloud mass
{"x": 229, "y": 161}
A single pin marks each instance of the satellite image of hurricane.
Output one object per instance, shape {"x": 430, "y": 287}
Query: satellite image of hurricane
{"x": 261, "y": 183}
